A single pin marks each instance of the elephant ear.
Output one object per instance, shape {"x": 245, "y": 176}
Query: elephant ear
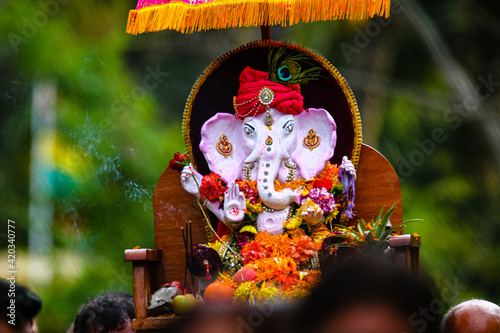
{"x": 221, "y": 144}
{"x": 317, "y": 140}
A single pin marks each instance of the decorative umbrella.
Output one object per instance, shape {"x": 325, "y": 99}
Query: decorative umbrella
{"x": 189, "y": 16}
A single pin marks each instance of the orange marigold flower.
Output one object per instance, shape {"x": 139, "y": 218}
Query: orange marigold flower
{"x": 294, "y": 184}
{"x": 252, "y": 252}
{"x": 302, "y": 249}
{"x": 276, "y": 258}
{"x": 296, "y": 233}
{"x": 226, "y": 278}
{"x": 330, "y": 171}
{"x": 313, "y": 278}
{"x": 249, "y": 189}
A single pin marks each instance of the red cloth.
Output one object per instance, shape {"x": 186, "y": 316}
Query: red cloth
{"x": 287, "y": 98}
{"x": 222, "y": 229}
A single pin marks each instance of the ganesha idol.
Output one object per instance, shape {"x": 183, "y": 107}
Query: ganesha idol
{"x": 269, "y": 159}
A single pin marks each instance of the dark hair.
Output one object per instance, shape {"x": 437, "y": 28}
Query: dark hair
{"x": 27, "y": 303}
{"x": 108, "y": 312}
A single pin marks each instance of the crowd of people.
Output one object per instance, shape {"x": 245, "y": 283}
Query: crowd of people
{"x": 352, "y": 298}
{"x": 108, "y": 313}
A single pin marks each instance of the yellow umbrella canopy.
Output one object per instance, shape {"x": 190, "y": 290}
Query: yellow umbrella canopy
{"x": 188, "y": 16}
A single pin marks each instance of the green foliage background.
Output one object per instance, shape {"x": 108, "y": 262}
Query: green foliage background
{"x": 112, "y": 140}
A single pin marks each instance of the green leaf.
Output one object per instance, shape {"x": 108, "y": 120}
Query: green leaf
{"x": 369, "y": 237}
{"x": 361, "y": 225}
{"x": 389, "y": 232}
{"x": 351, "y": 245}
{"x": 379, "y": 217}
{"x": 351, "y": 232}
{"x": 384, "y": 220}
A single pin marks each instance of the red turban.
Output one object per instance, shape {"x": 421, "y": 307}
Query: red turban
{"x": 253, "y": 98}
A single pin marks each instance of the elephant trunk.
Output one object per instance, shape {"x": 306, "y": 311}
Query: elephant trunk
{"x": 271, "y": 157}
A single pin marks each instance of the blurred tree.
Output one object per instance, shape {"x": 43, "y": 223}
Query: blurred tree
{"x": 110, "y": 145}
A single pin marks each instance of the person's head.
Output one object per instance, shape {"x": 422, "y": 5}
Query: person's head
{"x": 265, "y": 318}
{"x": 368, "y": 297}
{"x": 19, "y": 308}
{"x": 109, "y": 313}
{"x": 473, "y": 316}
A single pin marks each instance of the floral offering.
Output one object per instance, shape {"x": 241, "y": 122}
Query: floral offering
{"x": 272, "y": 268}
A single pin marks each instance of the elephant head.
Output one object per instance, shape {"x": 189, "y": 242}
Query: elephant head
{"x": 293, "y": 146}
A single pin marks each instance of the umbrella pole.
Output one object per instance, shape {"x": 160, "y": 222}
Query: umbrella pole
{"x": 265, "y": 31}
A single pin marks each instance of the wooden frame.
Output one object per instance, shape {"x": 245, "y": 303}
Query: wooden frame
{"x": 377, "y": 185}
{"x": 407, "y": 252}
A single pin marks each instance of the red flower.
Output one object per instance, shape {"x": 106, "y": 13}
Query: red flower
{"x": 249, "y": 189}
{"x": 178, "y": 162}
{"x": 244, "y": 238}
{"x": 211, "y": 187}
{"x": 324, "y": 182}
{"x": 251, "y": 252}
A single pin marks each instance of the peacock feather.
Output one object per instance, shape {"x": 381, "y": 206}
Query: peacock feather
{"x": 286, "y": 68}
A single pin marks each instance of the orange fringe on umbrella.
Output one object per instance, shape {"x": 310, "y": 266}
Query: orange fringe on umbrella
{"x": 221, "y": 14}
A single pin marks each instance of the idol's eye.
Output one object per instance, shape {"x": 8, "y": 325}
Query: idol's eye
{"x": 289, "y": 125}
{"x": 248, "y": 129}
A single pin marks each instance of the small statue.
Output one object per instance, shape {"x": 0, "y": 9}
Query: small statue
{"x": 270, "y": 138}
{"x": 271, "y": 182}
